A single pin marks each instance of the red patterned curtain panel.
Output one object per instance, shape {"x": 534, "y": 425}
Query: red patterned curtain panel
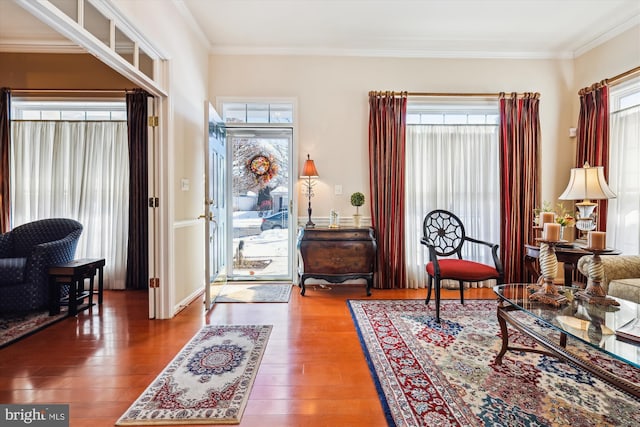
{"x": 5, "y": 144}
{"x": 593, "y": 136}
{"x": 519, "y": 179}
{"x": 387, "y": 130}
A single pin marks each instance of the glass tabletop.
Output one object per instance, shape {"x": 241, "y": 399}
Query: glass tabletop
{"x": 590, "y": 323}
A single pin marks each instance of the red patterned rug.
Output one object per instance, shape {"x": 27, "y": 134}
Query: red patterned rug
{"x": 431, "y": 374}
{"x": 208, "y": 382}
{"x": 14, "y": 327}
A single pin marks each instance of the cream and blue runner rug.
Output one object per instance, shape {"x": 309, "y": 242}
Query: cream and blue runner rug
{"x": 208, "y": 382}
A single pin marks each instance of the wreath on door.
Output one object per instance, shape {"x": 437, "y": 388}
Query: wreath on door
{"x": 263, "y": 168}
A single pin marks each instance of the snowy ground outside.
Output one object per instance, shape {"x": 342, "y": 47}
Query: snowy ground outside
{"x": 268, "y": 245}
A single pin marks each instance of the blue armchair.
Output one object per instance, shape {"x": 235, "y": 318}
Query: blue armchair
{"x": 26, "y": 252}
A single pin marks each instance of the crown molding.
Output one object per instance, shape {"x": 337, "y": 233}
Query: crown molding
{"x": 387, "y": 53}
{"x": 608, "y": 35}
{"x": 193, "y": 24}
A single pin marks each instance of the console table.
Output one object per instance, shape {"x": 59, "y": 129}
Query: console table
{"x": 336, "y": 255}
{"x": 74, "y": 274}
{"x": 567, "y": 255}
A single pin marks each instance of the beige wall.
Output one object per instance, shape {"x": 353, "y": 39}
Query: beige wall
{"x": 182, "y": 155}
{"x": 333, "y": 106}
{"x": 57, "y": 71}
{"x": 618, "y": 55}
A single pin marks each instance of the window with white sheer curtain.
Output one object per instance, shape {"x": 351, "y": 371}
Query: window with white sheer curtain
{"x": 623, "y": 214}
{"x": 76, "y": 170}
{"x": 454, "y": 166}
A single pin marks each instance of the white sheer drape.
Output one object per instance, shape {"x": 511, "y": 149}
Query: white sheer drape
{"x": 76, "y": 170}
{"x": 455, "y": 168}
{"x": 623, "y": 214}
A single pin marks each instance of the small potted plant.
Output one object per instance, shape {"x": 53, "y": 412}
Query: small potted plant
{"x": 357, "y": 200}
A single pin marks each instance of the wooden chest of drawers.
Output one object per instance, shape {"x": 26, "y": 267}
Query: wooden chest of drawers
{"x": 336, "y": 255}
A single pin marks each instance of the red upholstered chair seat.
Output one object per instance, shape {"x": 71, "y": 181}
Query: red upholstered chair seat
{"x": 460, "y": 269}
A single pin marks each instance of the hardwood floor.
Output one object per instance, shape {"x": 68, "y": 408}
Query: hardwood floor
{"x": 313, "y": 372}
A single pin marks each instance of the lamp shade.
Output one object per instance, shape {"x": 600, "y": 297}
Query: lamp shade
{"x": 309, "y": 169}
{"x": 587, "y": 183}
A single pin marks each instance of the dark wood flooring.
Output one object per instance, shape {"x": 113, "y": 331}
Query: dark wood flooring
{"x": 313, "y": 372}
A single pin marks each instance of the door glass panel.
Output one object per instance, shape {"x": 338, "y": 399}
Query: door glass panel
{"x": 68, "y": 7}
{"x": 145, "y": 63}
{"x": 261, "y": 188}
{"x": 124, "y": 46}
{"x": 96, "y": 23}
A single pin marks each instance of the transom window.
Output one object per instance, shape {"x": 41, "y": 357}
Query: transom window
{"x": 474, "y": 113}
{"x": 625, "y": 95}
{"x": 256, "y": 112}
{"x": 69, "y": 110}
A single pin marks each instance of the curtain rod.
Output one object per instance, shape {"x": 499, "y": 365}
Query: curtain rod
{"x": 444, "y": 94}
{"x": 115, "y": 91}
{"x": 623, "y": 75}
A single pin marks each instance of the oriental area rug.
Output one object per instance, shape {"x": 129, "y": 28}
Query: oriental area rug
{"x": 14, "y": 327}
{"x": 254, "y": 293}
{"x": 208, "y": 382}
{"x": 430, "y": 374}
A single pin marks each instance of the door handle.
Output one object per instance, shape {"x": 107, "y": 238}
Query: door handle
{"x": 208, "y": 217}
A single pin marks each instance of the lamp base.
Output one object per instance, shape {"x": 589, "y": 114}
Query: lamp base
{"x": 309, "y": 224}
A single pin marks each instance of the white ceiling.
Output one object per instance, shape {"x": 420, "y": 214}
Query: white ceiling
{"x": 412, "y": 28}
{"x": 401, "y": 28}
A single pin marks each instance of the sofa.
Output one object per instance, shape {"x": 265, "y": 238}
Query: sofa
{"x": 26, "y": 252}
{"x": 621, "y": 275}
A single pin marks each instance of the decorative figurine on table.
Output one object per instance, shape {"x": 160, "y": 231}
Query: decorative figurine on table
{"x": 545, "y": 290}
{"x": 594, "y": 293}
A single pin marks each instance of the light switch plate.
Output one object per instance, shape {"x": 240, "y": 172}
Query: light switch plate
{"x": 337, "y": 189}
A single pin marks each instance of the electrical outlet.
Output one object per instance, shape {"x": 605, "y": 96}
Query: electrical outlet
{"x": 337, "y": 189}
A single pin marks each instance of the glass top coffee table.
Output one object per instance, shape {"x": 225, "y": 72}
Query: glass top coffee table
{"x": 577, "y": 332}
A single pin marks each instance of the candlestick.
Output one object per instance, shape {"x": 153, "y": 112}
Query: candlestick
{"x": 594, "y": 293}
{"x": 546, "y": 291}
{"x": 596, "y": 240}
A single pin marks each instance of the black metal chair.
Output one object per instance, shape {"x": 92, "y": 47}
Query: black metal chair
{"x": 444, "y": 235}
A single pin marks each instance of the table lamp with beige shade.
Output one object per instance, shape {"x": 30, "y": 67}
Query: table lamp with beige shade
{"x": 587, "y": 183}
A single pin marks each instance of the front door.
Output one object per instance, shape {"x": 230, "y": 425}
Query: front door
{"x": 215, "y": 207}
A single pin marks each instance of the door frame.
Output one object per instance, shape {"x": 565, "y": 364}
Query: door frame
{"x": 293, "y": 171}
{"x": 293, "y": 220}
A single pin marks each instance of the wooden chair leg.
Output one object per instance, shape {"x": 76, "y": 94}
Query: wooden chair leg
{"x": 437, "y": 284}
